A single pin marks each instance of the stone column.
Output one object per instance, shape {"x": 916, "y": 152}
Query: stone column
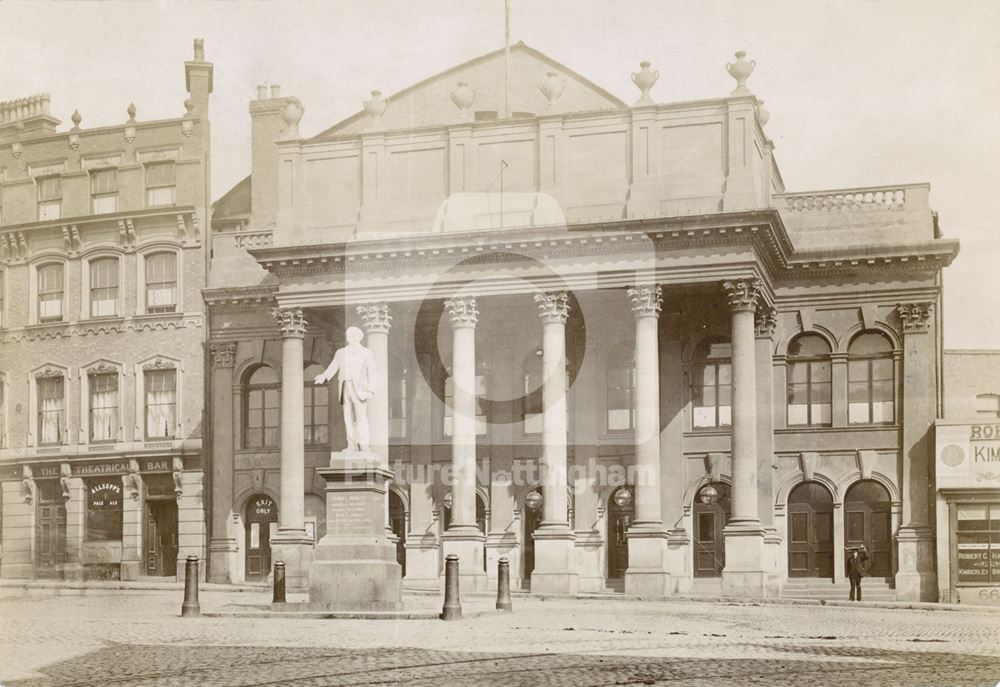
{"x": 377, "y": 321}
{"x": 291, "y": 544}
{"x": 555, "y": 564}
{"x": 648, "y": 571}
{"x": 744, "y": 574}
{"x": 764, "y": 326}
{"x": 75, "y": 495}
{"x": 223, "y": 561}
{"x": 915, "y": 579}
{"x": 463, "y": 536}
{"x": 133, "y": 513}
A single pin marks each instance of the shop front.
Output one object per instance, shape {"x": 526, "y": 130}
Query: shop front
{"x": 968, "y": 512}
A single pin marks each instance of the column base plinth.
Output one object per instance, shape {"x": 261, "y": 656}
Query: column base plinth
{"x": 296, "y": 550}
{"x": 423, "y": 563}
{"x": 648, "y": 573}
{"x": 745, "y": 574}
{"x": 131, "y": 571}
{"x": 555, "y": 561}
{"x": 468, "y": 544}
{"x": 916, "y": 579}
{"x": 591, "y": 571}
{"x": 223, "y": 561}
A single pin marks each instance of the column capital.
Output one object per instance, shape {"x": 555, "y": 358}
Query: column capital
{"x": 646, "y": 300}
{"x": 553, "y": 307}
{"x": 462, "y": 311}
{"x": 916, "y": 317}
{"x": 376, "y": 317}
{"x": 765, "y": 321}
{"x": 291, "y": 322}
{"x": 743, "y": 293}
{"x": 223, "y": 353}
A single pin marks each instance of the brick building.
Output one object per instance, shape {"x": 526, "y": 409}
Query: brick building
{"x": 559, "y": 288}
{"x": 102, "y": 263}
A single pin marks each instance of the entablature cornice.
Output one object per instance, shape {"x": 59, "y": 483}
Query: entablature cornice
{"x": 241, "y": 298}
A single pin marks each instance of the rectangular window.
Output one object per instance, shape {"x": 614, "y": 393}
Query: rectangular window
{"x": 621, "y": 411}
{"x": 978, "y": 543}
{"x": 263, "y": 419}
{"x": 104, "y": 287}
{"x": 711, "y": 395}
{"x": 449, "y": 399}
{"x": 809, "y": 394}
{"x": 51, "y": 410}
{"x": 161, "y": 185}
{"x": 161, "y": 404}
{"x": 317, "y": 421}
{"x": 104, "y": 191}
{"x": 50, "y": 293}
{"x": 49, "y": 198}
{"x": 104, "y": 510}
{"x": 161, "y": 283}
{"x": 103, "y": 406}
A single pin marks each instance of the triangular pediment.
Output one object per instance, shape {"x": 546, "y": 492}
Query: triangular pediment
{"x": 429, "y": 103}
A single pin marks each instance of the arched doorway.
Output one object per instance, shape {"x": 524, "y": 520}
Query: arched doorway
{"x": 621, "y": 511}
{"x": 810, "y": 531}
{"x": 397, "y": 522}
{"x": 711, "y": 509}
{"x": 261, "y": 524}
{"x": 868, "y": 521}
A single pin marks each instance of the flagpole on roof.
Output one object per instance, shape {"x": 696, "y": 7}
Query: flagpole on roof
{"x": 506, "y": 58}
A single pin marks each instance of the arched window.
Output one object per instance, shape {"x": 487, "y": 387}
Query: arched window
{"x": 161, "y": 282}
{"x": 104, "y": 287}
{"x": 50, "y": 292}
{"x": 398, "y": 397}
{"x": 871, "y": 382}
{"x": 620, "y": 396}
{"x": 316, "y": 403}
{"x": 712, "y": 384}
{"x": 809, "y": 381}
{"x": 261, "y": 408}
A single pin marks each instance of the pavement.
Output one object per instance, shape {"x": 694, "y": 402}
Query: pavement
{"x": 97, "y": 635}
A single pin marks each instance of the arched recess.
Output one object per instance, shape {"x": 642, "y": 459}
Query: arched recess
{"x": 710, "y": 512}
{"x": 260, "y": 521}
{"x": 831, "y": 339}
{"x": 786, "y": 487}
{"x": 845, "y": 341}
{"x": 810, "y": 530}
{"x": 868, "y": 523}
{"x": 701, "y": 480}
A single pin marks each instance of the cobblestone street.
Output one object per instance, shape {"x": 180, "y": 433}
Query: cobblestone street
{"x": 95, "y": 637}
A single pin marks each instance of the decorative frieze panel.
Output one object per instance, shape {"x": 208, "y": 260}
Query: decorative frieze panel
{"x": 646, "y": 300}
{"x": 916, "y": 317}
{"x": 765, "y": 322}
{"x": 223, "y": 353}
{"x": 743, "y": 293}
{"x": 376, "y": 317}
{"x": 462, "y": 311}
{"x": 553, "y": 307}
{"x": 159, "y": 363}
{"x": 291, "y": 322}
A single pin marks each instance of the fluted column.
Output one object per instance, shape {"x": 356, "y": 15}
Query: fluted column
{"x": 648, "y": 568}
{"x": 916, "y": 579}
{"x": 555, "y": 551}
{"x": 291, "y": 543}
{"x": 463, "y": 537}
{"x": 223, "y": 551}
{"x": 744, "y": 573}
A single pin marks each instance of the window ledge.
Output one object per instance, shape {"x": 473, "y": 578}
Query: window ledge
{"x": 104, "y": 319}
{"x": 177, "y": 315}
{"x": 41, "y": 326}
{"x": 709, "y": 432}
{"x": 798, "y": 429}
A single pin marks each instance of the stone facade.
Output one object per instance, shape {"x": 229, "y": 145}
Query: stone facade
{"x": 642, "y": 364}
{"x": 102, "y": 264}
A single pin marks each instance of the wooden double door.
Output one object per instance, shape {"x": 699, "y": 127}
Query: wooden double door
{"x": 868, "y": 522}
{"x": 810, "y": 531}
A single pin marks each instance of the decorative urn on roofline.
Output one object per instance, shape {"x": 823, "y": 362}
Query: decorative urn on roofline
{"x": 644, "y": 79}
{"x": 375, "y": 106}
{"x": 463, "y": 96}
{"x": 741, "y": 70}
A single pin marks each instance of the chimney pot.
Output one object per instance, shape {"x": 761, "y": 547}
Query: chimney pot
{"x": 275, "y": 91}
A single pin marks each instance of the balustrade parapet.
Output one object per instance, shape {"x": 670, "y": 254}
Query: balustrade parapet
{"x": 247, "y": 239}
{"x": 863, "y": 199}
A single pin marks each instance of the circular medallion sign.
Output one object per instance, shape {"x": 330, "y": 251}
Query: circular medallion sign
{"x": 952, "y": 455}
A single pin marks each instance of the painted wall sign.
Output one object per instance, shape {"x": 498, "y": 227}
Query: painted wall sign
{"x": 968, "y": 456}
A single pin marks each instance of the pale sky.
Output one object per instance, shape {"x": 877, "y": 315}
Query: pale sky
{"x": 861, "y": 92}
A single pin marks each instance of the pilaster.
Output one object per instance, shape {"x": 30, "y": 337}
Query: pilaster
{"x": 133, "y": 507}
{"x": 764, "y": 325}
{"x": 223, "y": 562}
{"x": 75, "y": 495}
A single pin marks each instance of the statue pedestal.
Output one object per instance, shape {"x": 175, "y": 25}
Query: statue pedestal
{"x": 354, "y": 566}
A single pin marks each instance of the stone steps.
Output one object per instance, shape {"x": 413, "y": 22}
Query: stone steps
{"x": 872, "y": 589}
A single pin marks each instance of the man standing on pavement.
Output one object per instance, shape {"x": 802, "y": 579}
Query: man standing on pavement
{"x": 856, "y": 569}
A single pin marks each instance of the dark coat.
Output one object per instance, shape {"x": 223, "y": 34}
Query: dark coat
{"x": 857, "y": 565}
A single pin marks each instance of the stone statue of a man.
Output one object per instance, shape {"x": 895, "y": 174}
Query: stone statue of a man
{"x": 358, "y": 375}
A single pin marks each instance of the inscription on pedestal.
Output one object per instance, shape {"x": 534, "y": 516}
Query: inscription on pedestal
{"x": 350, "y": 514}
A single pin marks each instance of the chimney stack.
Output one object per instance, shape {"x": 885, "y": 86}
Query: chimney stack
{"x": 268, "y": 125}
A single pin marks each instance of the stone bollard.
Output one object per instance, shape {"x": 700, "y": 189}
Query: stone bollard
{"x": 279, "y": 583}
{"x": 452, "y": 604}
{"x": 503, "y": 586}
{"x": 190, "y": 608}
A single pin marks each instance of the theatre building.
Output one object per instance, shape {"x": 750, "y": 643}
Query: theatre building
{"x": 967, "y": 471}
{"x": 647, "y": 366}
{"x": 102, "y": 338}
